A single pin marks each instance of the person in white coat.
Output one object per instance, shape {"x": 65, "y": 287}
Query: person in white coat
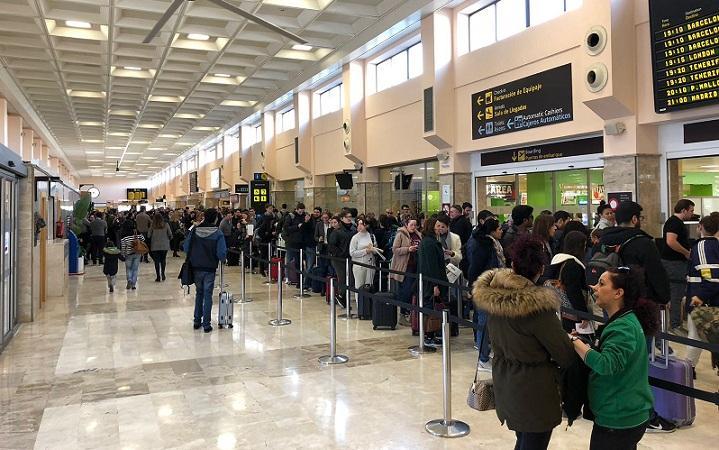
{"x": 451, "y": 243}
{"x": 362, "y": 250}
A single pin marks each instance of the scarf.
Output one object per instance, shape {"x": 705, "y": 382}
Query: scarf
{"x": 500, "y": 252}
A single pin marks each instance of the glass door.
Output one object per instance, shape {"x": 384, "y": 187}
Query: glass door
{"x": 8, "y": 227}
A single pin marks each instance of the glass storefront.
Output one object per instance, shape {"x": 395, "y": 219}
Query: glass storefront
{"x": 696, "y": 179}
{"x": 577, "y": 191}
{"x": 416, "y": 185}
{"x": 8, "y": 255}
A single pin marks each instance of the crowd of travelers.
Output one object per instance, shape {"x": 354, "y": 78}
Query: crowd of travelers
{"x": 520, "y": 270}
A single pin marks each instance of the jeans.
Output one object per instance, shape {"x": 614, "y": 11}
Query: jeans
{"x": 132, "y": 267}
{"x": 676, "y": 272}
{"x": 341, "y": 272}
{"x": 292, "y": 256}
{"x": 532, "y": 441}
{"x": 159, "y": 257}
{"x": 615, "y": 439}
{"x": 204, "y": 284}
{"x": 405, "y": 291}
{"x": 310, "y": 256}
{"x": 98, "y": 244}
{"x": 480, "y": 319}
{"x": 693, "y": 353}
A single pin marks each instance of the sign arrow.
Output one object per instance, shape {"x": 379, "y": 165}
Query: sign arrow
{"x": 480, "y": 100}
{"x": 510, "y": 124}
{"x": 480, "y": 131}
{"x": 480, "y": 115}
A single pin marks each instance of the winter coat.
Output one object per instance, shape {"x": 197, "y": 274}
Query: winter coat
{"x": 208, "y": 249}
{"x": 643, "y": 253}
{"x": 572, "y": 273}
{"x": 292, "y": 230}
{"x": 112, "y": 255}
{"x": 265, "y": 228}
{"x": 338, "y": 243}
{"x": 454, "y": 244}
{"x": 510, "y": 235}
{"x": 481, "y": 256}
{"x": 462, "y": 227}
{"x": 529, "y": 343}
{"x": 703, "y": 276}
{"x": 401, "y": 253}
{"x": 430, "y": 263}
{"x": 160, "y": 238}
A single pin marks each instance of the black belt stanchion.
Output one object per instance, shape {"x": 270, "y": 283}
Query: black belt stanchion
{"x": 243, "y": 275}
{"x": 421, "y": 348}
{"x": 279, "y": 321}
{"x": 333, "y": 357}
{"x": 447, "y": 427}
{"x": 301, "y": 287}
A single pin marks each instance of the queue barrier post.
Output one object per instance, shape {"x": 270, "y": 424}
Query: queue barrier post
{"x": 446, "y": 426}
{"x": 243, "y": 279}
{"x": 348, "y": 300}
{"x": 333, "y": 357}
{"x": 421, "y": 349}
{"x": 269, "y": 264}
{"x": 279, "y": 321}
{"x": 301, "y": 287}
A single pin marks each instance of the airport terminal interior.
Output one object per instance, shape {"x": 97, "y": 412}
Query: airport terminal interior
{"x": 208, "y": 212}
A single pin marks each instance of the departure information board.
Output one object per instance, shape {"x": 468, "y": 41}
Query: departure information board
{"x": 685, "y": 53}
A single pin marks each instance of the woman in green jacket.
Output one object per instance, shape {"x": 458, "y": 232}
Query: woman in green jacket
{"x": 619, "y": 392}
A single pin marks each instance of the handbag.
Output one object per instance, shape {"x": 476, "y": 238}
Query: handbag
{"x": 186, "y": 277}
{"x": 453, "y": 273}
{"x": 481, "y": 393}
{"x": 138, "y": 246}
{"x": 433, "y": 324}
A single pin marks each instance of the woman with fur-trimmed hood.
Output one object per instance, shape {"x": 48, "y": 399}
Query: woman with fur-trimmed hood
{"x": 528, "y": 342}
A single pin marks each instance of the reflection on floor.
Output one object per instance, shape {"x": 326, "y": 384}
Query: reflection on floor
{"x": 126, "y": 370}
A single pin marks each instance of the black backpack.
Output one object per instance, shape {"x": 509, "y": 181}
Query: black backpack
{"x": 608, "y": 256}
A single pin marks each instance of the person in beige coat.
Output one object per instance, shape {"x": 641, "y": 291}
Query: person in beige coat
{"x": 404, "y": 259}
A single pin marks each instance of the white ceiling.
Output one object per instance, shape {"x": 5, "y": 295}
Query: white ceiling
{"x": 99, "y": 111}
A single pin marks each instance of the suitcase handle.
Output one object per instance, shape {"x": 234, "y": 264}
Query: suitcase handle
{"x": 663, "y": 320}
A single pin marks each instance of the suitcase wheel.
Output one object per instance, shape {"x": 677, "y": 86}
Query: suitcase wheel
{"x": 230, "y": 326}
{"x": 374, "y": 328}
{"x": 392, "y": 328}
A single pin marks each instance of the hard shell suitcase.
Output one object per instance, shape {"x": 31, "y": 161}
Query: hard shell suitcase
{"x": 292, "y": 274}
{"x": 233, "y": 257}
{"x": 364, "y": 307}
{"x": 226, "y": 306}
{"x": 318, "y": 286}
{"x": 384, "y": 315}
{"x": 327, "y": 291}
{"x": 676, "y": 408}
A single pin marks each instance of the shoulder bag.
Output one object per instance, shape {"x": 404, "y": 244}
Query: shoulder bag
{"x": 481, "y": 393}
{"x": 186, "y": 277}
{"x": 138, "y": 246}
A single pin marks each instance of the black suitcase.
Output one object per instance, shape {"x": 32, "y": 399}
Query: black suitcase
{"x": 364, "y": 303}
{"x": 384, "y": 315}
{"x": 233, "y": 257}
{"x": 318, "y": 286}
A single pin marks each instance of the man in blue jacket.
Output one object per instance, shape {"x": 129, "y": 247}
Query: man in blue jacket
{"x": 206, "y": 247}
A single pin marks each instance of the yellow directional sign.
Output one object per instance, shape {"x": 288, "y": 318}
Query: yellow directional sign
{"x": 489, "y": 112}
{"x": 488, "y": 97}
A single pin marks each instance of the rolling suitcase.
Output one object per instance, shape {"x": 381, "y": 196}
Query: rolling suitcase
{"x": 364, "y": 306}
{"x": 318, "y": 285}
{"x": 676, "y": 408}
{"x": 233, "y": 257}
{"x": 226, "y": 306}
{"x": 384, "y": 315}
{"x": 273, "y": 268}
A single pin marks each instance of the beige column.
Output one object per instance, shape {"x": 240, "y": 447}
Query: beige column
{"x": 45, "y": 156}
{"x": 353, "y": 111}
{"x": 27, "y": 143}
{"x": 303, "y": 116}
{"x": 268, "y": 151}
{"x": 460, "y": 187}
{"x": 15, "y": 135}
{"x": 26, "y": 249}
{"x": 37, "y": 149}
{"x": 438, "y": 79}
{"x": 3, "y": 122}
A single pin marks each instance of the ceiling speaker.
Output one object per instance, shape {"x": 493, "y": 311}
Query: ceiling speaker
{"x": 596, "y": 77}
{"x": 595, "y": 40}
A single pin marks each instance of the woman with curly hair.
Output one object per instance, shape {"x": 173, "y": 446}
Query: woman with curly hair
{"x": 619, "y": 365}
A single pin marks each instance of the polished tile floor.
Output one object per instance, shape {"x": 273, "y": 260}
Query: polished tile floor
{"x": 127, "y": 371}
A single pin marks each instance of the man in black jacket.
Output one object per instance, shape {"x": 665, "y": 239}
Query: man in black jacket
{"x": 265, "y": 235}
{"x": 338, "y": 246}
{"x": 459, "y": 224}
{"x": 293, "y": 228}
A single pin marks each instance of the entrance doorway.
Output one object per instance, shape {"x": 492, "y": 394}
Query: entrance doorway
{"x": 8, "y": 255}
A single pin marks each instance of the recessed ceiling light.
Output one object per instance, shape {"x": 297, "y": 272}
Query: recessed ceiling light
{"x": 133, "y": 153}
{"x": 223, "y": 75}
{"x": 198, "y": 37}
{"x": 93, "y": 153}
{"x": 90, "y": 124}
{"x": 92, "y": 141}
{"x": 189, "y": 116}
{"x": 141, "y": 164}
{"x": 150, "y": 125}
{"x": 113, "y": 157}
{"x": 78, "y": 24}
{"x": 148, "y": 157}
{"x": 140, "y": 142}
{"x": 170, "y": 154}
{"x": 114, "y": 148}
{"x": 169, "y": 136}
{"x": 302, "y": 47}
{"x": 136, "y": 69}
{"x": 95, "y": 160}
{"x": 156, "y": 148}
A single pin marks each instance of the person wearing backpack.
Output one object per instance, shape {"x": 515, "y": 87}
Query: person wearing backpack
{"x": 570, "y": 269}
{"x": 634, "y": 247}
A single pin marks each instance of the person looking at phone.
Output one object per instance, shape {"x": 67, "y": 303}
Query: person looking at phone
{"x": 404, "y": 259}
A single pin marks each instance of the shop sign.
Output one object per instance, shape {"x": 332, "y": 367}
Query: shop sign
{"x": 260, "y": 194}
{"x": 136, "y": 194}
{"x": 615, "y": 198}
{"x": 242, "y": 189}
{"x": 535, "y": 101}
{"x": 597, "y": 193}
{"x": 685, "y": 53}
{"x": 504, "y": 191}
{"x": 543, "y": 152}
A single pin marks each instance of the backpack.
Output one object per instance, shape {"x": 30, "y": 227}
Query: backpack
{"x": 607, "y": 257}
{"x": 391, "y": 235}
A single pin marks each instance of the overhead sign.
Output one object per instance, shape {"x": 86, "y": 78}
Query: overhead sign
{"x": 136, "y": 194}
{"x": 685, "y": 53}
{"x": 259, "y": 176}
{"x": 543, "y": 152}
{"x": 504, "y": 191}
{"x": 242, "y": 189}
{"x": 260, "y": 195}
{"x": 535, "y": 101}
{"x": 193, "y": 182}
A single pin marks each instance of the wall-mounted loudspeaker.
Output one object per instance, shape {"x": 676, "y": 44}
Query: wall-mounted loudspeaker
{"x": 346, "y": 126}
{"x": 596, "y": 77}
{"x": 595, "y": 40}
{"x": 346, "y": 144}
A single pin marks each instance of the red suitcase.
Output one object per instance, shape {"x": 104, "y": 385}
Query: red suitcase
{"x": 273, "y": 268}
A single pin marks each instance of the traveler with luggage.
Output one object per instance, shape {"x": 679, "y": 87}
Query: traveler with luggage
{"x": 404, "y": 259}
{"x": 293, "y": 227}
{"x": 528, "y": 342}
{"x": 363, "y": 247}
{"x": 160, "y": 237}
{"x": 265, "y": 234}
{"x": 430, "y": 257}
{"x": 338, "y": 246}
{"x": 132, "y": 249}
{"x": 177, "y": 235}
{"x": 618, "y": 389}
{"x": 675, "y": 254}
{"x": 206, "y": 248}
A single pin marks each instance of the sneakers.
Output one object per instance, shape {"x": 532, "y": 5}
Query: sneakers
{"x": 429, "y": 342}
{"x": 163, "y": 277}
{"x": 129, "y": 286}
{"x": 112, "y": 289}
{"x": 157, "y": 280}
{"x": 207, "y": 329}
{"x": 196, "y": 326}
{"x": 660, "y": 425}
{"x": 487, "y": 366}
